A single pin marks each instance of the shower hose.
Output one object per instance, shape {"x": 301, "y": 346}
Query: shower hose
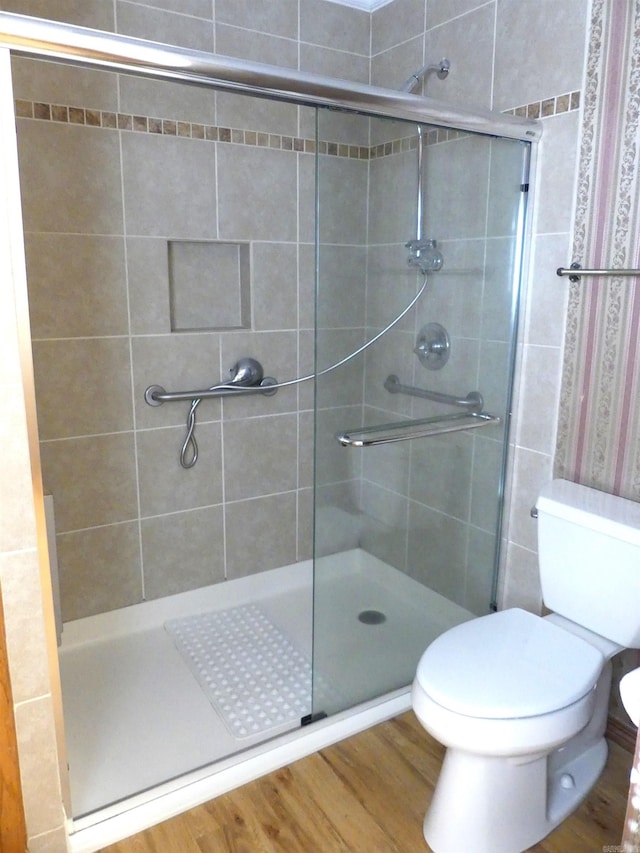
{"x": 189, "y": 451}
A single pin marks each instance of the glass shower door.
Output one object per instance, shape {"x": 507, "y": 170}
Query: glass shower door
{"x": 408, "y": 485}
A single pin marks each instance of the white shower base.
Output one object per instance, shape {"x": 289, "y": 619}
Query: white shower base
{"x": 143, "y": 741}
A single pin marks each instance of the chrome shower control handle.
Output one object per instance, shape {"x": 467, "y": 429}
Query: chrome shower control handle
{"x": 433, "y": 346}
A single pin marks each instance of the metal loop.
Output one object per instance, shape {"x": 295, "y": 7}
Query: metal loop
{"x": 190, "y": 439}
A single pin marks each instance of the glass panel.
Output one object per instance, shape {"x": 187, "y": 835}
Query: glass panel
{"x": 406, "y": 533}
{"x": 163, "y": 243}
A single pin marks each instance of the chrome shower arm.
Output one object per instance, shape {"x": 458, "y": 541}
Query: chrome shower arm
{"x": 441, "y": 69}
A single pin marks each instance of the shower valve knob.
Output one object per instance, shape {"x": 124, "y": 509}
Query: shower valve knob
{"x": 425, "y": 348}
{"x": 433, "y": 346}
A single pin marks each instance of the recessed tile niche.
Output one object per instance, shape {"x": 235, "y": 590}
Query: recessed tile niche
{"x": 209, "y": 285}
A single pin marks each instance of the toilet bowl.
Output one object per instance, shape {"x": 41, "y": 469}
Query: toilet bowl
{"x": 506, "y": 684}
{"x": 521, "y": 701}
{"x": 517, "y": 701}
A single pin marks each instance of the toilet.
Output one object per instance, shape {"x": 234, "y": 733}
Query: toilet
{"x": 520, "y": 701}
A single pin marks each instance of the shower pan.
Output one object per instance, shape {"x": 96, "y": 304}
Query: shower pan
{"x": 230, "y": 606}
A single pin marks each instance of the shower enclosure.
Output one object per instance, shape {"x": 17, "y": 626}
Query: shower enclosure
{"x": 329, "y": 528}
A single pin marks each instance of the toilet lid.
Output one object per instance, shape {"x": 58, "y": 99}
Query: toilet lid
{"x": 508, "y": 665}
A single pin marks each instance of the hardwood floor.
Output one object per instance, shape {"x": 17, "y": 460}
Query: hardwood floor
{"x": 367, "y": 794}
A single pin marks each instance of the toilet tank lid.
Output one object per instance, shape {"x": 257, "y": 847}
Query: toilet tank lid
{"x": 508, "y": 665}
{"x": 608, "y": 514}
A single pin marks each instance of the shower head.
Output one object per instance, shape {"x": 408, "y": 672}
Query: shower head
{"x": 246, "y": 372}
{"x": 441, "y": 69}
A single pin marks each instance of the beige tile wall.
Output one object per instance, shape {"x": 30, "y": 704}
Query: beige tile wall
{"x": 342, "y": 270}
{"x": 98, "y": 224}
{"x": 393, "y": 503}
{"x": 110, "y": 460}
{"x": 442, "y": 527}
{"x": 503, "y": 57}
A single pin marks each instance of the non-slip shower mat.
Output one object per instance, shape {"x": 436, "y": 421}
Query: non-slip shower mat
{"x": 250, "y": 672}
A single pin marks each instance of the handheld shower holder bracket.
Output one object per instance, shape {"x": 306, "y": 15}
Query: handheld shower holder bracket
{"x": 425, "y": 255}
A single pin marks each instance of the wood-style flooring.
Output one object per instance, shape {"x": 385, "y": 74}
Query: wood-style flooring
{"x": 366, "y": 794}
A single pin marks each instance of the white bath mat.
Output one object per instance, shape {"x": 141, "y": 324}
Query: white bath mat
{"x": 250, "y": 672}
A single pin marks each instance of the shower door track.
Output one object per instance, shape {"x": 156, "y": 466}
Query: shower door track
{"x": 71, "y": 44}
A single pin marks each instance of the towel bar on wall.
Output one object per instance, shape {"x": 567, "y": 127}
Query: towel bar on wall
{"x": 424, "y": 427}
{"x": 575, "y": 271}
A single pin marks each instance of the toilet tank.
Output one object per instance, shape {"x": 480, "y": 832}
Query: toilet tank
{"x": 589, "y": 557}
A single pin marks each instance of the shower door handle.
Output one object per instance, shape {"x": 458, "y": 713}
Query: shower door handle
{"x": 410, "y": 429}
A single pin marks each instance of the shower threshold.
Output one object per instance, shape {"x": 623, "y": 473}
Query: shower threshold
{"x": 138, "y": 722}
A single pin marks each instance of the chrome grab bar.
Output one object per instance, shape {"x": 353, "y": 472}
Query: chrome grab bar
{"x": 438, "y": 425}
{"x": 155, "y": 395}
{"x": 575, "y": 271}
{"x": 247, "y": 378}
{"x": 473, "y": 402}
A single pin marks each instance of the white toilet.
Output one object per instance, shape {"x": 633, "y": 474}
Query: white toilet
{"x": 520, "y": 701}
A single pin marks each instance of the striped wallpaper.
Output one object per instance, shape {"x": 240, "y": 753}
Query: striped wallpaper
{"x": 599, "y": 421}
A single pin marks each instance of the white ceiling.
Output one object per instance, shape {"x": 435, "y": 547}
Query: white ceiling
{"x": 365, "y": 5}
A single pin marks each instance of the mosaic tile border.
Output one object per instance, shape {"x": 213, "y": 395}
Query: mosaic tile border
{"x": 213, "y": 133}
{"x": 61, "y": 113}
{"x": 82, "y": 116}
{"x": 566, "y": 103}
{"x": 410, "y": 143}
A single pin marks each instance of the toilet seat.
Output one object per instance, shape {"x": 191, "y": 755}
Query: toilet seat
{"x": 507, "y": 666}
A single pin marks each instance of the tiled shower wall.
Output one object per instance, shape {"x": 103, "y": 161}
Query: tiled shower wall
{"x": 430, "y": 506}
{"x": 131, "y": 522}
{"x": 139, "y": 516}
{"x": 504, "y": 57}
{"x": 113, "y": 169}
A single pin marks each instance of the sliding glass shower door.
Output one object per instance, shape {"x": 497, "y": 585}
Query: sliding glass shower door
{"x": 411, "y": 432}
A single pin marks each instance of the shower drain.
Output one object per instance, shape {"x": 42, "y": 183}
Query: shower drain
{"x": 372, "y": 617}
